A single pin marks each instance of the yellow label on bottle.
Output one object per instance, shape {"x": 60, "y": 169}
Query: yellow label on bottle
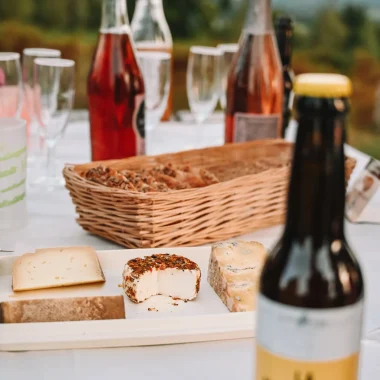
{"x": 296, "y": 343}
{"x": 273, "y": 367}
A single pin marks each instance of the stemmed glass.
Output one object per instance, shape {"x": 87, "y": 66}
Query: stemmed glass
{"x": 228, "y": 52}
{"x": 155, "y": 67}
{"x": 35, "y": 143}
{"x": 203, "y": 83}
{"x": 53, "y": 101}
{"x": 11, "y": 91}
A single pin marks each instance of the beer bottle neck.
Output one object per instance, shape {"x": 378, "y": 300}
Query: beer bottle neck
{"x": 284, "y": 40}
{"x": 115, "y": 17}
{"x": 316, "y": 202}
{"x": 259, "y": 17}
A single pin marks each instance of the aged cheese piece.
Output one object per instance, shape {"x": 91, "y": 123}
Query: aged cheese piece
{"x": 234, "y": 270}
{"x": 62, "y": 309}
{"x": 169, "y": 275}
{"x": 56, "y": 267}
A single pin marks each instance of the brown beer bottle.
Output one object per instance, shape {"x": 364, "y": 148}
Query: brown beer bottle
{"x": 311, "y": 293}
{"x": 255, "y": 83}
{"x": 284, "y": 33}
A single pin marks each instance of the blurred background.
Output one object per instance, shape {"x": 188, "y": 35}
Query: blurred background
{"x": 330, "y": 36}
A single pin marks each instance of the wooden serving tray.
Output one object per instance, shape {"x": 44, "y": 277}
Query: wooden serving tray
{"x": 204, "y": 319}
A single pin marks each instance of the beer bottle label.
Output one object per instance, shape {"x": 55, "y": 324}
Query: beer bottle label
{"x": 248, "y": 127}
{"x": 307, "y": 344}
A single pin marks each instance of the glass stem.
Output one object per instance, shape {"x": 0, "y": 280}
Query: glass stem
{"x": 50, "y": 162}
{"x": 41, "y": 145}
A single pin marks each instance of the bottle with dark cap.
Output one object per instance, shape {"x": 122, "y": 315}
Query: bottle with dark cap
{"x": 284, "y": 34}
{"x": 311, "y": 296}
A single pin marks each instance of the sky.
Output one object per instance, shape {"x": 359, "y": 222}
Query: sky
{"x": 307, "y": 3}
{"x": 307, "y": 7}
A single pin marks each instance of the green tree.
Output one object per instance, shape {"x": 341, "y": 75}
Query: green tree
{"x": 51, "y": 14}
{"x": 329, "y": 30}
{"x": 226, "y": 5}
{"x": 202, "y": 19}
{"x": 208, "y": 18}
{"x": 95, "y": 13}
{"x": 372, "y": 43}
{"x": 301, "y": 36}
{"x": 78, "y": 11}
{"x": 192, "y": 18}
{"x": 355, "y": 19}
{"x": 232, "y": 23}
{"x": 328, "y": 40}
{"x": 21, "y": 10}
{"x": 361, "y": 31}
{"x": 377, "y": 32}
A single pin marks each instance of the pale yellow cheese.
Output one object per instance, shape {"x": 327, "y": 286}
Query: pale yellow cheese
{"x": 241, "y": 296}
{"x": 234, "y": 273}
{"x": 56, "y": 267}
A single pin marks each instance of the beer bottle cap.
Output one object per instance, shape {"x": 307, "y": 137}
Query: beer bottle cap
{"x": 323, "y": 85}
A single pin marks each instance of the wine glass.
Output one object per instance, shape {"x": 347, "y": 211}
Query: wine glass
{"x": 203, "y": 73}
{"x": 11, "y": 91}
{"x": 35, "y": 143}
{"x": 151, "y": 32}
{"x": 155, "y": 67}
{"x": 53, "y": 96}
{"x": 228, "y": 52}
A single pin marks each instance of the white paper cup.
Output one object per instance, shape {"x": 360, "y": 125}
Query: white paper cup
{"x": 13, "y": 154}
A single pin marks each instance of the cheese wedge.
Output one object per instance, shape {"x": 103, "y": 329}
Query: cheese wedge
{"x": 62, "y": 309}
{"x": 234, "y": 272}
{"x": 56, "y": 267}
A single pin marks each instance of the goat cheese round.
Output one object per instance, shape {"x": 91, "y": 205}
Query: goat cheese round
{"x": 162, "y": 274}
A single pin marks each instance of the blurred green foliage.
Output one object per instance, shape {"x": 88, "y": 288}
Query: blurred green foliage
{"x": 341, "y": 40}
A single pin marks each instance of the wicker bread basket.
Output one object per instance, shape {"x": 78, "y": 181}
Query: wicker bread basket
{"x": 251, "y": 195}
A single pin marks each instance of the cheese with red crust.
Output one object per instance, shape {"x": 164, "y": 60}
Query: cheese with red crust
{"x": 162, "y": 274}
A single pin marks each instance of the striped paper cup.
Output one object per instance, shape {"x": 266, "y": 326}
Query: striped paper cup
{"x": 13, "y": 154}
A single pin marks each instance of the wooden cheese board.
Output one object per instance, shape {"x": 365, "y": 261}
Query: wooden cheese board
{"x": 156, "y": 321}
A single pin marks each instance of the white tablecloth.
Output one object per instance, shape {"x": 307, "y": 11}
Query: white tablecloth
{"x": 52, "y": 223}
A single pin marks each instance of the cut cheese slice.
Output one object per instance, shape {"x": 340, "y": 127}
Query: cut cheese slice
{"x": 56, "y": 267}
{"x": 162, "y": 274}
{"x": 234, "y": 271}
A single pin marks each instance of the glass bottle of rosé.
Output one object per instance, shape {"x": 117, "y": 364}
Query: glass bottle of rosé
{"x": 255, "y": 82}
{"x": 116, "y": 89}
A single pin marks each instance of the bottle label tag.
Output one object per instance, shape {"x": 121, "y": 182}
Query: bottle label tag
{"x": 274, "y": 367}
{"x": 139, "y": 123}
{"x": 363, "y": 199}
{"x": 307, "y": 344}
{"x": 248, "y": 127}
